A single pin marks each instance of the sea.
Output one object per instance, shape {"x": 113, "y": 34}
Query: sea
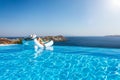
{"x": 77, "y": 58}
{"x": 105, "y": 42}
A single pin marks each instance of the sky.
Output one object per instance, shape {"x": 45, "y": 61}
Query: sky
{"x": 59, "y": 17}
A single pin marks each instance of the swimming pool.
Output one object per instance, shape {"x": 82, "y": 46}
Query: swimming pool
{"x": 22, "y": 62}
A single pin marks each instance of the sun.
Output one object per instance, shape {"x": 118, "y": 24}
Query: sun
{"x": 115, "y": 3}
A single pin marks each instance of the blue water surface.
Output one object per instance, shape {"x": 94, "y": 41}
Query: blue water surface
{"x": 23, "y": 62}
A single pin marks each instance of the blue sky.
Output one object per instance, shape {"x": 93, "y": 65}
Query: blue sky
{"x": 55, "y": 17}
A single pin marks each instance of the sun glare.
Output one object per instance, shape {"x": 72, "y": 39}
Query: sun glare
{"x": 115, "y": 4}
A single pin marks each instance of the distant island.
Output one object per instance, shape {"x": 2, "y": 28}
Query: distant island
{"x": 112, "y": 36}
{"x": 10, "y": 41}
{"x": 58, "y": 38}
{"x": 54, "y": 38}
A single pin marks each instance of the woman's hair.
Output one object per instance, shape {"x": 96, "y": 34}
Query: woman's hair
{"x": 39, "y": 39}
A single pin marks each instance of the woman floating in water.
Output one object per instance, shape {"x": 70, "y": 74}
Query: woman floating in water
{"x": 41, "y": 41}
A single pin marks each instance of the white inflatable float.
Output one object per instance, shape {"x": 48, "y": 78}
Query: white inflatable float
{"x": 37, "y": 44}
{"x": 48, "y": 44}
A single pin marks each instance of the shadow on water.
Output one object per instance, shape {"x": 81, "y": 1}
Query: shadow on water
{"x": 93, "y": 51}
{"x": 100, "y": 52}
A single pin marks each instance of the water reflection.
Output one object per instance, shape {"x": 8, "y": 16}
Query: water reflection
{"x": 39, "y": 51}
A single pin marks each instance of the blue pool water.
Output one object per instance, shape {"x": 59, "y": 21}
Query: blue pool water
{"x": 22, "y": 62}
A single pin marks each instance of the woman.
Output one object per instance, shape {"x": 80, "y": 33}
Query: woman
{"x": 41, "y": 41}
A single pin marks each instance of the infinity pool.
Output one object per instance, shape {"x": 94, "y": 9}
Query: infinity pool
{"x": 22, "y": 62}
